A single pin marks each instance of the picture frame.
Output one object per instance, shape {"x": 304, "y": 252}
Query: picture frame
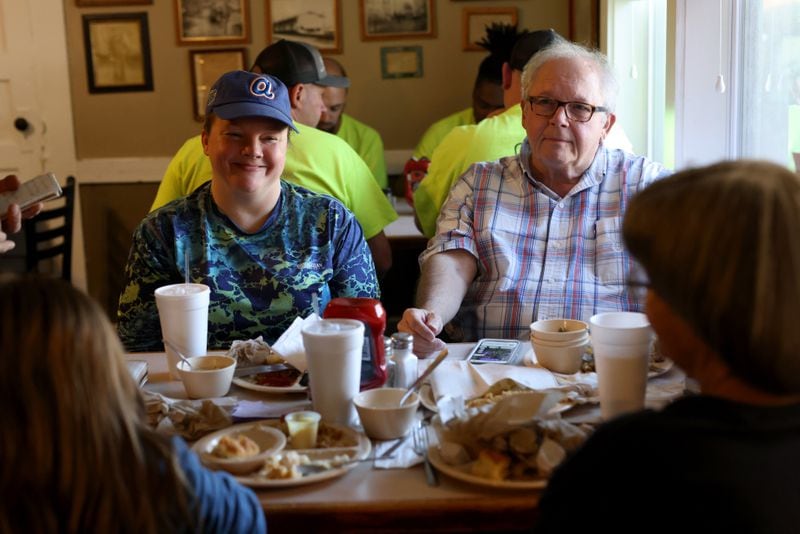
{"x": 412, "y": 19}
{"x": 212, "y": 22}
{"x": 316, "y": 22}
{"x": 99, "y": 3}
{"x": 474, "y": 21}
{"x": 401, "y": 62}
{"x": 206, "y": 66}
{"x": 584, "y": 22}
{"x": 117, "y": 48}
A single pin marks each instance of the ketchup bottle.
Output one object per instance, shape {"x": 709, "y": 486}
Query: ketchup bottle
{"x": 371, "y": 313}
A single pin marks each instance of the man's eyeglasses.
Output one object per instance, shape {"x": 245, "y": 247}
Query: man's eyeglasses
{"x": 576, "y": 111}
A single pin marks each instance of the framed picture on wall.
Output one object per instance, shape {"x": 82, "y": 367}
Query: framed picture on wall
{"x": 212, "y": 21}
{"x": 476, "y": 19}
{"x": 411, "y": 19}
{"x": 117, "y": 52}
{"x": 401, "y": 62}
{"x": 207, "y": 66}
{"x": 315, "y": 22}
{"x": 93, "y": 3}
{"x": 584, "y": 25}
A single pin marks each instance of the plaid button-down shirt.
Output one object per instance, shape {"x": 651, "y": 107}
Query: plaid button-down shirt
{"x": 541, "y": 256}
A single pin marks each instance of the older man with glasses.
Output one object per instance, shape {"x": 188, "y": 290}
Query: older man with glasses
{"x": 536, "y": 235}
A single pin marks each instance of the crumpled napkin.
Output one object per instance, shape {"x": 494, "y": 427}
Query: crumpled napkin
{"x": 458, "y": 378}
{"x": 192, "y": 419}
{"x": 401, "y": 458}
{"x": 290, "y": 345}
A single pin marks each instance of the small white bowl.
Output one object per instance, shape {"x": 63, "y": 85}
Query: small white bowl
{"x": 381, "y": 414}
{"x": 565, "y": 360}
{"x": 558, "y": 329}
{"x": 269, "y": 440}
{"x": 208, "y": 376}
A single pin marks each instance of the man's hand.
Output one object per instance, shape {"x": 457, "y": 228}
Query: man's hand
{"x": 424, "y": 325}
{"x": 11, "y": 221}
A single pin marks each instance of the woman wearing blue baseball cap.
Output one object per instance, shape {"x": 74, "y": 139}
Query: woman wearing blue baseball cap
{"x": 264, "y": 246}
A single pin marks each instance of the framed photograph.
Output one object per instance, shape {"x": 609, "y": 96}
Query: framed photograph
{"x": 584, "y": 22}
{"x": 315, "y": 22}
{"x": 117, "y": 52}
{"x": 401, "y": 62}
{"x": 207, "y": 66}
{"x": 212, "y": 21}
{"x": 409, "y": 19}
{"x": 96, "y": 3}
{"x": 476, "y": 19}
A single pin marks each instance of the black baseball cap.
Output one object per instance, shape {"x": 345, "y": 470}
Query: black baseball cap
{"x": 529, "y": 44}
{"x": 293, "y": 62}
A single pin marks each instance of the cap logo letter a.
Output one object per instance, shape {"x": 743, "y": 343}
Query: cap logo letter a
{"x": 262, "y": 87}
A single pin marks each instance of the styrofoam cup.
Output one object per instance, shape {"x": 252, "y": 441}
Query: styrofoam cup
{"x": 183, "y": 312}
{"x": 333, "y": 353}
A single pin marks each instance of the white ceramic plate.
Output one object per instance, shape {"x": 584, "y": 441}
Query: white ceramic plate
{"x": 455, "y": 472}
{"x": 246, "y": 384}
{"x": 358, "y": 452}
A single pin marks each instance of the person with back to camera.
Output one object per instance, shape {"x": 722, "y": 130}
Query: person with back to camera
{"x": 536, "y": 236}
{"x": 487, "y": 92}
{"x": 76, "y": 451}
{"x": 316, "y": 160}
{"x": 720, "y": 252}
{"x": 11, "y": 221}
{"x": 266, "y": 247}
{"x": 364, "y": 139}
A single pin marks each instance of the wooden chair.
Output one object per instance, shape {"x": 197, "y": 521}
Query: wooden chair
{"x": 45, "y": 240}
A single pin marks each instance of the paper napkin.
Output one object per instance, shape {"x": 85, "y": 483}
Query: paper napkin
{"x": 458, "y": 378}
{"x": 290, "y": 345}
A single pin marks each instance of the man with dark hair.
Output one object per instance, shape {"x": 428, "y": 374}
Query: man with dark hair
{"x": 487, "y": 93}
{"x": 317, "y": 160}
{"x": 493, "y": 138}
{"x": 365, "y": 140}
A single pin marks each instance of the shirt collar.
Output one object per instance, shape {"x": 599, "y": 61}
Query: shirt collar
{"x": 593, "y": 176}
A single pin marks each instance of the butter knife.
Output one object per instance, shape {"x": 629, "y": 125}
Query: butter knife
{"x": 255, "y": 369}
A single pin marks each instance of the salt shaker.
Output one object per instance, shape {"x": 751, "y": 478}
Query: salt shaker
{"x": 404, "y": 358}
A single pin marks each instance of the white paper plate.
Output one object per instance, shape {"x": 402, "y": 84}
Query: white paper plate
{"x": 455, "y": 472}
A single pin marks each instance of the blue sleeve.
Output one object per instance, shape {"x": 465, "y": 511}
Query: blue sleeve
{"x": 354, "y": 271}
{"x": 223, "y": 504}
{"x": 151, "y": 264}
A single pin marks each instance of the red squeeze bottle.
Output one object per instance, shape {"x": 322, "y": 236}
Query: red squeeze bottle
{"x": 371, "y": 313}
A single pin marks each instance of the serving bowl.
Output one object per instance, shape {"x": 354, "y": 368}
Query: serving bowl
{"x": 381, "y": 414}
{"x": 208, "y": 376}
{"x": 268, "y": 439}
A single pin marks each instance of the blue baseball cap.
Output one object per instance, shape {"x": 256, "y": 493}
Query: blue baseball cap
{"x": 240, "y": 93}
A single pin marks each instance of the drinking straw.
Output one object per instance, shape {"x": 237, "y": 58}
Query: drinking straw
{"x": 315, "y": 303}
{"x": 186, "y": 264}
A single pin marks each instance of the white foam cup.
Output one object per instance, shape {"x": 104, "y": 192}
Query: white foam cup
{"x": 183, "y": 312}
{"x": 621, "y": 377}
{"x": 333, "y": 354}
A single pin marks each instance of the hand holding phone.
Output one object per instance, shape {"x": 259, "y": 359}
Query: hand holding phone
{"x": 40, "y": 189}
{"x": 495, "y": 351}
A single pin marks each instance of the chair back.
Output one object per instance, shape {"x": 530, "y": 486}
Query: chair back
{"x": 45, "y": 239}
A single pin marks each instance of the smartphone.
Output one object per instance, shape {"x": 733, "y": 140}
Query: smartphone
{"x": 495, "y": 351}
{"x": 40, "y": 189}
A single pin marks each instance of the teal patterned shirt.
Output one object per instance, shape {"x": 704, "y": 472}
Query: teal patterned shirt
{"x": 260, "y": 281}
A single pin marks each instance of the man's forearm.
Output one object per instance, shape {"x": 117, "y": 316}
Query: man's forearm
{"x": 444, "y": 281}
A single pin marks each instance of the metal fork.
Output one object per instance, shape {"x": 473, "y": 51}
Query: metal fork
{"x": 420, "y": 437}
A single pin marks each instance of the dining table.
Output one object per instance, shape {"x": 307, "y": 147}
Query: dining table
{"x": 369, "y": 499}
